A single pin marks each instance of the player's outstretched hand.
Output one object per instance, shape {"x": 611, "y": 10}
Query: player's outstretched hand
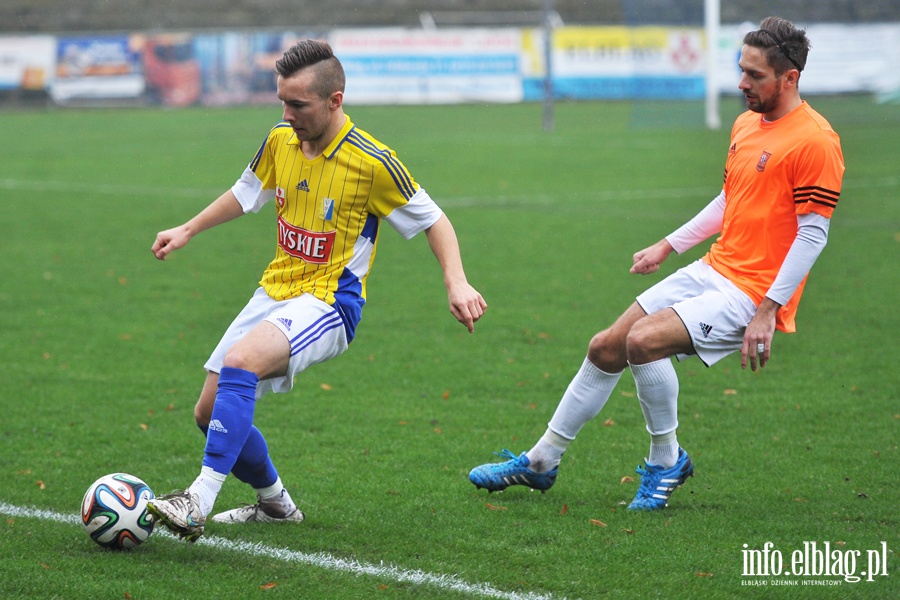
{"x": 648, "y": 260}
{"x": 466, "y": 304}
{"x": 169, "y": 240}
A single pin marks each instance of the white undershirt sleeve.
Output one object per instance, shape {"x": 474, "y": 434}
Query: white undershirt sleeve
{"x": 812, "y": 235}
{"x": 707, "y": 222}
{"x": 249, "y": 192}
{"x": 415, "y": 216}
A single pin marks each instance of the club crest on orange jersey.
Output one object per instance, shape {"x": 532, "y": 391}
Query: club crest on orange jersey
{"x": 761, "y": 165}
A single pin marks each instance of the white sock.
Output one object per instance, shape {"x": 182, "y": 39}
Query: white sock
{"x": 547, "y": 453}
{"x": 584, "y": 398}
{"x": 582, "y": 401}
{"x": 663, "y": 450}
{"x": 657, "y": 389}
{"x": 207, "y": 487}
{"x": 277, "y": 494}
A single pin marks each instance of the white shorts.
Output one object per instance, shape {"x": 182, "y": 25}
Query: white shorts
{"x": 714, "y": 311}
{"x": 314, "y": 328}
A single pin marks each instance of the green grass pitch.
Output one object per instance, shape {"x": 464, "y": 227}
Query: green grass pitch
{"x": 102, "y": 350}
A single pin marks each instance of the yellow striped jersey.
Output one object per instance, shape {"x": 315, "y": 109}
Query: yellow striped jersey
{"x": 328, "y": 213}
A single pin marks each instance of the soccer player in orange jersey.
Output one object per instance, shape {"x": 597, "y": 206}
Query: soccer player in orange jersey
{"x": 333, "y": 185}
{"x": 782, "y": 182}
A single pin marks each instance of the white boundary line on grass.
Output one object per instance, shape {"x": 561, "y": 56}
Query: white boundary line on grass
{"x": 320, "y": 560}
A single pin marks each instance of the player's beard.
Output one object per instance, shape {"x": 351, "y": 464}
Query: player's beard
{"x": 767, "y": 105}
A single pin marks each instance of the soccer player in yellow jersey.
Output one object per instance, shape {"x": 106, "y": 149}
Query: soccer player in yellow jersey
{"x": 333, "y": 185}
{"x": 782, "y": 182}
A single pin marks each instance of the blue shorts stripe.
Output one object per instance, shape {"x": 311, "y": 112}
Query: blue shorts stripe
{"x": 315, "y": 331}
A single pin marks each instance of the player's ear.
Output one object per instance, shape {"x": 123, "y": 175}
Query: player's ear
{"x": 336, "y": 100}
{"x": 792, "y": 77}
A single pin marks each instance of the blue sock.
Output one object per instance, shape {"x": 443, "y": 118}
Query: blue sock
{"x": 232, "y": 419}
{"x": 253, "y": 465}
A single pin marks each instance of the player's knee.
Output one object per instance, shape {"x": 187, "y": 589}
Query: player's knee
{"x": 640, "y": 344}
{"x": 238, "y": 358}
{"x": 606, "y": 353}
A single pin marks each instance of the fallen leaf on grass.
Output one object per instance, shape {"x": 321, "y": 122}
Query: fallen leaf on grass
{"x": 629, "y": 531}
{"x": 144, "y": 426}
{"x": 40, "y": 484}
{"x": 127, "y": 596}
{"x": 492, "y": 507}
{"x": 45, "y": 565}
{"x": 326, "y": 387}
{"x": 598, "y": 523}
{"x": 608, "y": 423}
{"x": 268, "y": 586}
{"x": 700, "y": 574}
{"x": 565, "y": 509}
{"x": 626, "y": 479}
{"x": 446, "y": 394}
{"x": 730, "y": 392}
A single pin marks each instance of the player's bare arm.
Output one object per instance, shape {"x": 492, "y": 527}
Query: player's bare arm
{"x": 224, "y": 208}
{"x": 466, "y": 303}
{"x": 648, "y": 260}
{"x": 758, "y": 336}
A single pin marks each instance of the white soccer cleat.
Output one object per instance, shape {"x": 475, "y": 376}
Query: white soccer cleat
{"x": 180, "y": 512}
{"x": 261, "y": 512}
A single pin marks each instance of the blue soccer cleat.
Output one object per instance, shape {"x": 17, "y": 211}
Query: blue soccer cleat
{"x": 496, "y": 477}
{"x": 657, "y": 484}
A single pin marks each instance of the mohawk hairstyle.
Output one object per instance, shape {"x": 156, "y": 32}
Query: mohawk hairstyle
{"x": 315, "y": 54}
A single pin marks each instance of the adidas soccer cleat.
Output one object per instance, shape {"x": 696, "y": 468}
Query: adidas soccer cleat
{"x": 657, "y": 484}
{"x": 497, "y": 477}
{"x": 180, "y": 512}
{"x": 261, "y": 512}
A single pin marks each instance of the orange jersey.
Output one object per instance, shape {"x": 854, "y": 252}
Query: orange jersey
{"x": 774, "y": 172}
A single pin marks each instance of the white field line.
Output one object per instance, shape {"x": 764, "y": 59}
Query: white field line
{"x": 114, "y": 189}
{"x": 320, "y": 560}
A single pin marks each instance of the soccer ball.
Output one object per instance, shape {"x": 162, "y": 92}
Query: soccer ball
{"x": 114, "y": 511}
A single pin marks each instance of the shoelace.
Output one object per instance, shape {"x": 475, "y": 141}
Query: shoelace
{"x": 506, "y": 454}
{"x": 647, "y": 485}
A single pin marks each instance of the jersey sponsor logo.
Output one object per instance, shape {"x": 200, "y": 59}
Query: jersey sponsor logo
{"x": 303, "y": 186}
{"x": 310, "y": 246}
{"x": 286, "y": 322}
{"x": 761, "y": 165}
{"x": 279, "y": 196}
{"x": 326, "y": 209}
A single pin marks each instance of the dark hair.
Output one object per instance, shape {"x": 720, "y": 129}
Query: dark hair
{"x": 318, "y": 55}
{"x": 786, "y": 46}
